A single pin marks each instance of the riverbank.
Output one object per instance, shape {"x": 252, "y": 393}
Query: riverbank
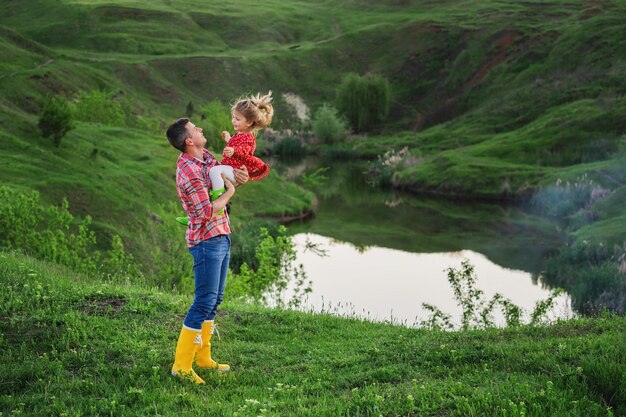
{"x": 72, "y": 347}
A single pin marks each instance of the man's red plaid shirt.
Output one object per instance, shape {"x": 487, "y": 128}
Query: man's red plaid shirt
{"x": 193, "y": 185}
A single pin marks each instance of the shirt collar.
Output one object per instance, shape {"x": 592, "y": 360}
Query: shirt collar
{"x": 206, "y": 155}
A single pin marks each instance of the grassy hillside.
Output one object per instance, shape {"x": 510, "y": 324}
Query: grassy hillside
{"x": 71, "y": 346}
{"x": 503, "y": 95}
{"x": 495, "y": 99}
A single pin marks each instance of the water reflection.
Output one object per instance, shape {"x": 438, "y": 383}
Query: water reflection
{"x": 397, "y": 245}
{"x": 390, "y": 285}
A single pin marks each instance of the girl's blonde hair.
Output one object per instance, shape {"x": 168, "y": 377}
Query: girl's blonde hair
{"x": 257, "y": 109}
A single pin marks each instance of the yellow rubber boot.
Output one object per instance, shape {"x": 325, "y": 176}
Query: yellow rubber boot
{"x": 203, "y": 358}
{"x": 187, "y": 346}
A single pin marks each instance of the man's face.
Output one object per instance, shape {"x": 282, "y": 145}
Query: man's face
{"x": 195, "y": 135}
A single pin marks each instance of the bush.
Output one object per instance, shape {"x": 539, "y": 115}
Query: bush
{"x": 363, "y": 100}
{"x": 382, "y": 171}
{"x": 477, "y": 311}
{"x": 56, "y": 119}
{"x": 243, "y": 249}
{"x": 215, "y": 119}
{"x": 593, "y": 273}
{"x": 328, "y": 126}
{"x": 48, "y": 233}
{"x": 289, "y": 146}
{"x": 566, "y": 198}
{"x": 275, "y": 258}
{"x": 98, "y": 107}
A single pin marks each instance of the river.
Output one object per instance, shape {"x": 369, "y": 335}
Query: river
{"x": 380, "y": 254}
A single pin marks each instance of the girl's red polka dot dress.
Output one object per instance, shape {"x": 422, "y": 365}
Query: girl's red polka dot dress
{"x": 244, "y": 144}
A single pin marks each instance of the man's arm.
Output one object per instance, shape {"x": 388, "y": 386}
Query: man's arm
{"x": 199, "y": 196}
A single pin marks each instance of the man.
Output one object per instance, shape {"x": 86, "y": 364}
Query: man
{"x": 208, "y": 240}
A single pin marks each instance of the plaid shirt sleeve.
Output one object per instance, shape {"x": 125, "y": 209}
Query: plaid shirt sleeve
{"x": 192, "y": 189}
{"x": 198, "y": 196}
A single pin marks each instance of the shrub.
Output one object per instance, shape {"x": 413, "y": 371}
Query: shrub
{"x": 98, "y": 107}
{"x": 363, "y": 100}
{"x": 243, "y": 249}
{"x": 328, "y": 126}
{"x": 593, "y": 273}
{"x": 48, "y": 233}
{"x": 275, "y": 257}
{"x": 56, "y": 119}
{"x": 289, "y": 146}
{"x": 476, "y": 311}
{"x": 215, "y": 119}
{"x": 381, "y": 171}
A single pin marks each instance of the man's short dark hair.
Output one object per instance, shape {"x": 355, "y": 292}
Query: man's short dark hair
{"x": 177, "y": 133}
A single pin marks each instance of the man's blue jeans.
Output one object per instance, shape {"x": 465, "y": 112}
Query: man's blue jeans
{"x": 210, "y": 266}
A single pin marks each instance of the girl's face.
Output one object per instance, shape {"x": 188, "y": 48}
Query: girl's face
{"x": 240, "y": 124}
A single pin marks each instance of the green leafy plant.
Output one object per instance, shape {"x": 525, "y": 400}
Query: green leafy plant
{"x": 289, "y": 146}
{"x": 364, "y": 100}
{"x": 275, "y": 257}
{"x": 476, "y": 311}
{"x": 53, "y": 234}
{"x": 328, "y": 126}
{"x": 315, "y": 179}
{"x": 215, "y": 119}
{"x": 55, "y": 119}
{"x": 99, "y": 107}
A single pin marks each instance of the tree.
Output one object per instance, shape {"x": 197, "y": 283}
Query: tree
{"x": 363, "y": 100}
{"x": 328, "y": 126}
{"x": 56, "y": 119}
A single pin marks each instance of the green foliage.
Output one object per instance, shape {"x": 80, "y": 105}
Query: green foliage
{"x": 247, "y": 238}
{"x": 316, "y": 179}
{"x": 99, "y": 107}
{"x": 565, "y": 198}
{"x": 49, "y": 233}
{"x": 328, "y": 126}
{"x": 289, "y": 146}
{"x": 593, "y": 273}
{"x": 275, "y": 258}
{"x": 382, "y": 171}
{"x": 215, "y": 119}
{"x": 55, "y": 119}
{"x": 364, "y": 101}
{"x": 476, "y": 311}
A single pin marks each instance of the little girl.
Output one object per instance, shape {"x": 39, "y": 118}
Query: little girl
{"x": 248, "y": 115}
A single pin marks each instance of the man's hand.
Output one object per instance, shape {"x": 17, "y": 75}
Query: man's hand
{"x": 241, "y": 175}
{"x": 228, "y": 151}
{"x": 225, "y": 136}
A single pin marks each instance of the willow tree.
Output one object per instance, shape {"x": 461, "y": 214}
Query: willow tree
{"x": 363, "y": 100}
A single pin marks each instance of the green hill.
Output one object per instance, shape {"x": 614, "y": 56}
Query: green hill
{"x": 504, "y": 95}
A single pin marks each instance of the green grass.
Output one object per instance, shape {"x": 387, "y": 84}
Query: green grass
{"x": 72, "y": 347}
